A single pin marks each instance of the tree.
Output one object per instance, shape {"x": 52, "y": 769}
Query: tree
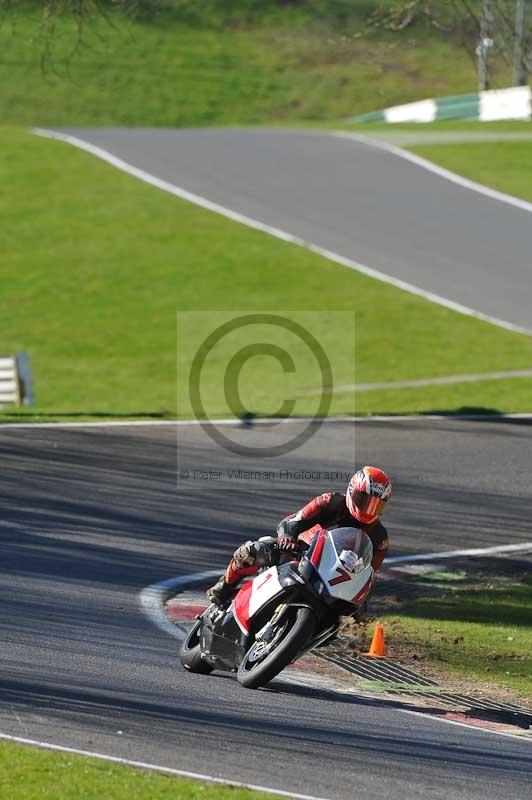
{"x": 79, "y": 13}
{"x": 501, "y": 27}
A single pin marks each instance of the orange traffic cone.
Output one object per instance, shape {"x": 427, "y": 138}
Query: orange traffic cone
{"x": 378, "y": 648}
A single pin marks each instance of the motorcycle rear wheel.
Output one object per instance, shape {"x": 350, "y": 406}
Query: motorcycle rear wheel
{"x": 296, "y": 632}
{"x": 190, "y": 652}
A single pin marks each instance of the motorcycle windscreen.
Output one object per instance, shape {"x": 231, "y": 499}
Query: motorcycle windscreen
{"x": 345, "y": 565}
{"x": 353, "y": 540}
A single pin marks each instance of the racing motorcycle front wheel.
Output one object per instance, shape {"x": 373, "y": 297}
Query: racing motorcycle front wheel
{"x": 266, "y": 658}
{"x": 190, "y": 652}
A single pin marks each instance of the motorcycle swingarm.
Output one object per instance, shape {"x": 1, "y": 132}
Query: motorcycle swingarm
{"x": 323, "y": 637}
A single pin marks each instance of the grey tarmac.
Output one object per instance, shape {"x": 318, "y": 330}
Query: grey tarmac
{"x": 91, "y": 516}
{"x": 354, "y": 199}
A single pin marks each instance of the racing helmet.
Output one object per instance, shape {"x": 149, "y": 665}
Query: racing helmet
{"x": 367, "y": 493}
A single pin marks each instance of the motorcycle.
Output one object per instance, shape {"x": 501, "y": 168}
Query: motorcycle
{"x": 284, "y": 611}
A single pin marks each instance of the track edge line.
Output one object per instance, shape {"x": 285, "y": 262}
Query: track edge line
{"x": 155, "y": 767}
{"x": 278, "y": 233}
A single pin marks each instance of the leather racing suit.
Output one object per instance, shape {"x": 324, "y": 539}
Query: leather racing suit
{"x": 328, "y": 510}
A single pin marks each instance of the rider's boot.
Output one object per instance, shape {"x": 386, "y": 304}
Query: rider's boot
{"x": 226, "y": 586}
{"x": 220, "y": 592}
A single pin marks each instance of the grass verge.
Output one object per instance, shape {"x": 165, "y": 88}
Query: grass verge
{"x": 474, "y": 633}
{"x": 504, "y": 165}
{"x": 95, "y": 268}
{"x": 27, "y": 773}
{"x": 204, "y": 63}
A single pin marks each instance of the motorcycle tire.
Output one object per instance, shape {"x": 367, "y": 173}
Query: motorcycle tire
{"x": 190, "y": 653}
{"x": 255, "y": 673}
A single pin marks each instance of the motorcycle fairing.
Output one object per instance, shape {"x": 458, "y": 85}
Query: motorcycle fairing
{"x": 259, "y": 592}
{"x": 253, "y": 595}
{"x": 338, "y": 581}
{"x": 333, "y": 576}
{"x": 225, "y": 637}
{"x": 222, "y": 640}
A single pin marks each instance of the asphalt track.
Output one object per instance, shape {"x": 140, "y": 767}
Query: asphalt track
{"x": 91, "y": 516}
{"x": 354, "y": 199}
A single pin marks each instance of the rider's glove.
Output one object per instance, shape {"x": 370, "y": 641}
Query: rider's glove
{"x": 245, "y": 555}
{"x": 286, "y": 545}
{"x": 282, "y": 528}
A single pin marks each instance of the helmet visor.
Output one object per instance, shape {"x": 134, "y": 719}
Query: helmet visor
{"x": 367, "y": 504}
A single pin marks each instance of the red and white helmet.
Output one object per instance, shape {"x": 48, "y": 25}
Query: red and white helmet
{"x": 367, "y": 493}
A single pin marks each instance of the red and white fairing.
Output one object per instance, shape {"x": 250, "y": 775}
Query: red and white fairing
{"x": 254, "y": 595}
{"x": 342, "y": 558}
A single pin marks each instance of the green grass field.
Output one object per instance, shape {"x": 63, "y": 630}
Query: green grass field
{"x": 503, "y": 165}
{"x": 482, "y": 633}
{"x": 211, "y": 63}
{"x": 96, "y": 267}
{"x": 31, "y": 774}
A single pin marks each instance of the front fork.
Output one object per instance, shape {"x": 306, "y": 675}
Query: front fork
{"x": 267, "y": 632}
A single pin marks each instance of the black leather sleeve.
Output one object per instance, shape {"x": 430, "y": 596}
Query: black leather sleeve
{"x": 292, "y": 527}
{"x": 318, "y": 511}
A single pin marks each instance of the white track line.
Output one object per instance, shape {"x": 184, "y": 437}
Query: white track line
{"x": 156, "y": 768}
{"x": 153, "y": 598}
{"x": 416, "y": 138}
{"x": 445, "y": 380}
{"x": 184, "y": 194}
{"x": 465, "y": 183}
{"x": 523, "y": 547}
{"x": 259, "y": 421}
{"x": 185, "y": 422}
{"x": 160, "y": 592}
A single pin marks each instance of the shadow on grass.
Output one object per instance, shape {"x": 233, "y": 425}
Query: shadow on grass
{"x": 474, "y": 411}
{"x": 14, "y": 416}
{"x": 477, "y": 414}
{"x": 506, "y": 606}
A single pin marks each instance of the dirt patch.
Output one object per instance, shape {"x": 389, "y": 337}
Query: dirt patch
{"x": 418, "y": 656}
{"x": 411, "y": 655}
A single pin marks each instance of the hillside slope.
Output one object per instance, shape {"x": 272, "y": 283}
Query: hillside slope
{"x": 252, "y": 64}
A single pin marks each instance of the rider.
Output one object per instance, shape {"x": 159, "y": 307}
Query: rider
{"x": 367, "y": 493}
